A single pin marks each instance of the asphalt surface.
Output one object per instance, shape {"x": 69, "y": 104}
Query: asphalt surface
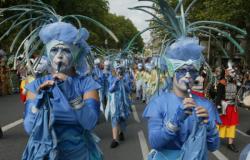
{"x": 135, "y": 146}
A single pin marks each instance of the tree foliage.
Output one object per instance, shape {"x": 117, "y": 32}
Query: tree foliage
{"x": 124, "y": 29}
{"x": 96, "y": 9}
{"x": 231, "y": 11}
{"x": 236, "y": 12}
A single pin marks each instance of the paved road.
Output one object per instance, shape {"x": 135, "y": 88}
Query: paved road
{"x": 135, "y": 147}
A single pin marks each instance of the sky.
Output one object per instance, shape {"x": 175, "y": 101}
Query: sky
{"x": 120, "y": 7}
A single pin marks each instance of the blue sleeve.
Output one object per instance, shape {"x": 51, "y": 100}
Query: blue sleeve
{"x": 88, "y": 84}
{"x": 213, "y": 140}
{"x": 31, "y": 109}
{"x": 28, "y": 115}
{"x": 113, "y": 85}
{"x": 159, "y": 135}
{"x": 127, "y": 86}
{"x": 32, "y": 86}
{"x": 88, "y": 115}
{"x": 213, "y": 112}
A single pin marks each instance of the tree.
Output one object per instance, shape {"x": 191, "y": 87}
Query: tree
{"x": 96, "y": 9}
{"x": 236, "y": 12}
{"x": 124, "y": 30}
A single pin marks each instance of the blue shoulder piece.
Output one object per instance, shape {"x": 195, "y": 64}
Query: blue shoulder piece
{"x": 155, "y": 106}
{"x": 88, "y": 115}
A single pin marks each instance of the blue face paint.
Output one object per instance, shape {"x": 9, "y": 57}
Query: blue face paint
{"x": 182, "y": 72}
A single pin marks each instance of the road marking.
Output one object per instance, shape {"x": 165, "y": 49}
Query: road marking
{"x": 248, "y": 156}
{"x": 240, "y": 132}
{"x": 219, "y": 155}
{"x": 135, "y": 114}
{"x": 143, "y": 144}
{"x": 12, "y": 125}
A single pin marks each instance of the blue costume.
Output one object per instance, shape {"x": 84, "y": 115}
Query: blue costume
{"x": 72, "y": 117}
{"x": 72, "y": 127}
{"x": 161, "y": 109}
{"x": 170, "y": 120}
{"x": 105, "y": 87}
{"x": 60, "y": 111}
{"x": 118, "y": 107}
{"x": 106, "y": 75}
{"x": 129, "y": 78}
{"x": 97, "y": 75}
{"x": 170, "y": 128}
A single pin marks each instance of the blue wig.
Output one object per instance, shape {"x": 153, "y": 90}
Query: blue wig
{"x": 184, "y": 51}
{"x": 67, "y": 33}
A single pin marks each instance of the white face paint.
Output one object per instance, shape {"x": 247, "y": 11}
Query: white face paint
{"x": 61, "y": 53}
{"x": 184, "y": 75}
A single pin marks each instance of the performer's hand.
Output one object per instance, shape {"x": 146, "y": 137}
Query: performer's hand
{"x": 202, "y": 112}
{"x": 47, "y": 84}
{"x": 60, "y": 76}
{"x": 188, "y": 104}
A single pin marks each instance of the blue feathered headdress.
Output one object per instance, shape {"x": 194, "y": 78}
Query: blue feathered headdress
{"x": 173, "y": 22}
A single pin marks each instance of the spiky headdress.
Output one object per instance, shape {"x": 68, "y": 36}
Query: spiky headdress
{"x": 39, "y": 17}
{"x": 175, "y": 24}
{"x": 181, "y": 34}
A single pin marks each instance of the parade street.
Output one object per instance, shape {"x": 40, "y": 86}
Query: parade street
{"x": 135, "y": 146}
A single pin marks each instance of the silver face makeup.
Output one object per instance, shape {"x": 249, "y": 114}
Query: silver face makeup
{"x": 181, "y": 78}
{"x": 61, "y": 53}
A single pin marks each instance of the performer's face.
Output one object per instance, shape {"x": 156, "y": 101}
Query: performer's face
{"x": 61, "y": 53}
{"x": 184, "y": 75}
{"x": 120, "y": 72}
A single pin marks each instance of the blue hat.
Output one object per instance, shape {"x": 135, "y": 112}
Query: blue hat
{"x": 184, "y": 51}
{"x": 66, "y": 33}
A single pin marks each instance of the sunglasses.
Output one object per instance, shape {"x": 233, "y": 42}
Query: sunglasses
{"x": 183, "y": 71}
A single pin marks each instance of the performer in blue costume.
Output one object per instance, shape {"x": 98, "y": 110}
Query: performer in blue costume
{"x": 173, "y": 113}
{"x": 129, "y": 77}
{"x": 75, "y": 102}
{"x": 118, "y": 107}
{"x": 62, "y": 108}
{"x": 97, "y": 74}
{"x": 106, "y": 75}
{"x": 169, "y": 115}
